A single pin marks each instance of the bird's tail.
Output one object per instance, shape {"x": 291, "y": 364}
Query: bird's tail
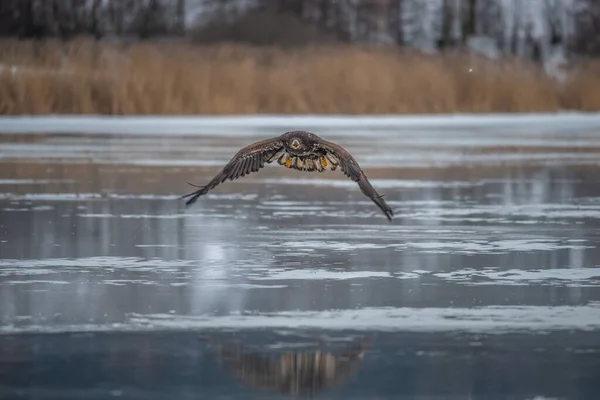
{"x": 202, "y": 190}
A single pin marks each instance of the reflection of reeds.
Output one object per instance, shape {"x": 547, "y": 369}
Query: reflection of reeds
{"x": 88, "y": 77}
{"x": 293, "y": 373}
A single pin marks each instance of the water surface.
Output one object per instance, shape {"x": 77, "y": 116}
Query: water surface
{"x": 485, "y": 285}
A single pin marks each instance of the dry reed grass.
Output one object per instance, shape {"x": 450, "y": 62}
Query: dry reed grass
{"x": 86, "y": 77}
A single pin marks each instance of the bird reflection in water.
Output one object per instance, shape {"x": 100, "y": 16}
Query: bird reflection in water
{"x": 296, "y": 373}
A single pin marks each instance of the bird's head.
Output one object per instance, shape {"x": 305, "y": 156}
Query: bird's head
{"x": 295, "y": 144}
{"x": 299, "y": 142}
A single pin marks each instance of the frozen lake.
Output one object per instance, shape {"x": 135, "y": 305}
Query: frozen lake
{"x": 486, "y": 284}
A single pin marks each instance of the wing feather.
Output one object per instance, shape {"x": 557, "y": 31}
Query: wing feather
{"x": 235, "y": 170}
{"x": 246, "y": 161}
{"x": 336, "y": 154}
{"x": 258, "y": 163}
{"x": 245, "y": 165}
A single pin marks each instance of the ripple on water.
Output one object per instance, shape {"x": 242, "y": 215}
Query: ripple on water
{"x": 379, "y": 183}
{"x": 466, "y": 245}
{"x": 318, "y": 274}
{"x": 102, "y": 268}
{"x": 312, "y": 245}
{"x": 536, "y": 212}
{"x": 554, "y": 276}
{"x": 61, "y": 265}
{"x": 490, "y": 319}
{"x": 494, "y": 246}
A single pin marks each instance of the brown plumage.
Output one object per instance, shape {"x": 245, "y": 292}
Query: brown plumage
{"x": 299, "y": 150}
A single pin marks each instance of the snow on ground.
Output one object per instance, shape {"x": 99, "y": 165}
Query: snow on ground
{"x": 236, "y": 125}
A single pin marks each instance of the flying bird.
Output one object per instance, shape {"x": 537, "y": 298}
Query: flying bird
{"x": 299, "y": 150}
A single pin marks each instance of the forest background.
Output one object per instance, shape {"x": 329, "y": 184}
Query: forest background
{"x": 293, "y": 56}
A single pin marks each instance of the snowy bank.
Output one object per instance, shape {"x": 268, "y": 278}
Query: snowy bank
{"x": 236, "y": 125}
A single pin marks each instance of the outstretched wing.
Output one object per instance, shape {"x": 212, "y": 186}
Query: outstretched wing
{"x": 249, "y": 159}
{"x": 337, "y": 156}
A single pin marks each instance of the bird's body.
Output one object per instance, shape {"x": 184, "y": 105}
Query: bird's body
{"x": 299, "y": 150}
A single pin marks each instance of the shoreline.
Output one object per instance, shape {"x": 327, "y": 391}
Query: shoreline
{"x": 234, "y": 125}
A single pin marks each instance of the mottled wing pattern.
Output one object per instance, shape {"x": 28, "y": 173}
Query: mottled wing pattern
{"x": 337, "y": 155}
{"x": 314, "y": 162}
{"x": 249, "y": 159}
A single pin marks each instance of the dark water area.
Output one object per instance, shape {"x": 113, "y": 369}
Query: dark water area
{"x": 284, "y": 284}
{"x": 270, "y": 364}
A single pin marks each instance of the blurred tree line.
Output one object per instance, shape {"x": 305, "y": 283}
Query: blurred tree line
{"x": 98, "y": 18}
{"x": 527, "y": 28}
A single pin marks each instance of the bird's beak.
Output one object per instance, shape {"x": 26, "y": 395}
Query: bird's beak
{"x": 295, "y": 144}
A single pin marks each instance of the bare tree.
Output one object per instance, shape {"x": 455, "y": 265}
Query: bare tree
{"x": 586, "y": 39}
{"x": 451, "y": 24}
{"x": 514, "y": 26}
{"x": 68, "y": 18}
{"x": 395, "y": 21}
{"x": 469, "y": 18}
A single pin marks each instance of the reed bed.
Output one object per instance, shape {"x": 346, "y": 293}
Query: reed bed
{"x": 167, "y": 78}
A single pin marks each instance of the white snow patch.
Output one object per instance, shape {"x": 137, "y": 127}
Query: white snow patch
{"x": 320, "y": 274}
{"x": 255, "y": 125}
{"x": 483, "y": 45}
